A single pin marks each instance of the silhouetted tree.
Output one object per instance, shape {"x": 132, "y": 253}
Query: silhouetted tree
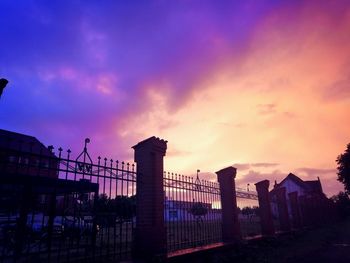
{"x": 110, "y": 211}
{"x": 247, "y": 211}
{"x": 125, "y": 207}
{"x": 250, "y": 212}
{"x": 198, "y": 209}
{"x": 342, "y": 202}
{"x": 343, "y": 162}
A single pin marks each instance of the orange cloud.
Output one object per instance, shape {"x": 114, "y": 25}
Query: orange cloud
{"x": 276, "y": 91}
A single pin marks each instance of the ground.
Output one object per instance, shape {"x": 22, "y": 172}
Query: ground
{"x": 325, "y": 244}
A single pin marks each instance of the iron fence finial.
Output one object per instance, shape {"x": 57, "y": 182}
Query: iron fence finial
{"x": 198, "y": 181}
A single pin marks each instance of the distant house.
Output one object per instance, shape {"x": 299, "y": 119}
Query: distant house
{"x": 178, "y": 210}
{"x": 22, "y": 154}
{"x": 293, "y": 183}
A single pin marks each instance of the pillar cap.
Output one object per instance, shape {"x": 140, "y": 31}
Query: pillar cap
{"x": 263, "y": 184}
{"x": 154, "y": 142}
{"x": 228, "y": 171}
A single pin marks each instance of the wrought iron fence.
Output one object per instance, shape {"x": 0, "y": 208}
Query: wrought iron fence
{"x": 192, "y": 212}
{"x": 60, "y": 209}
{"x": 248, "y": 213}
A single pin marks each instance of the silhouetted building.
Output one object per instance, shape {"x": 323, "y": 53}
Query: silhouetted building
{"x": 22, "y": 154}
{"x": 179, "y": 210}
{"x": 293, "y": 183}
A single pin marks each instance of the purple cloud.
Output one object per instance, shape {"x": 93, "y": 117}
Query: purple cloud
{"x": 314, "y": 172}
{"x": 254, "y": 176}
{"x": 246, "y": 166}
{"x": 84, "y": 69}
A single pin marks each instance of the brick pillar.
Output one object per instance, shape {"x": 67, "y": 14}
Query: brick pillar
{"x": 150, "y": 232}
{"x": 282, "y": 207}
{"x": 294, "y": 207}
{"x": 267, "y": 227}
{"x": 231, "y": 230}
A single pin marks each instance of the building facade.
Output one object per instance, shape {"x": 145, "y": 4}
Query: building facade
{"x": 293, "y": 183}
{"x": 24, "y": 155}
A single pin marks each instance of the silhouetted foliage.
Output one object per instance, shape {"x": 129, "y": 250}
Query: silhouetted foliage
{"x": 247, "y": 210}
{"x": 118, "y": 210}
{"x": 343, "y": 162}
{"x": 342, "y": 202}
{"x": 198, "y": 209}
{"x": 250, "y": 211}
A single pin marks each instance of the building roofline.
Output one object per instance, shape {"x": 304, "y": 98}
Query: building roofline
{"x": 19, "y": 138}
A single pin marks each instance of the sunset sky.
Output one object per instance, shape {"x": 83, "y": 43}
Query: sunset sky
{"x": 261, "y": 85}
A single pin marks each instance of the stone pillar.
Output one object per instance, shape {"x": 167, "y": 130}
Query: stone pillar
{"x": 282, "y": 207}
{"x": 231, "y": 231}
{"x": 267, "y": 227}
{"x": 294, "y": 207}
{"x": 150, "y": 232}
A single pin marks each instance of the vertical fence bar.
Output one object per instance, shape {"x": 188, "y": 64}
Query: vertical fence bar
{"x": 213, "y": 228}
{"x": 178, "y": 208}
{"x": 210, "y": 205}
{"x": 193, "y": 225}
{"x": 121, "y": 225}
